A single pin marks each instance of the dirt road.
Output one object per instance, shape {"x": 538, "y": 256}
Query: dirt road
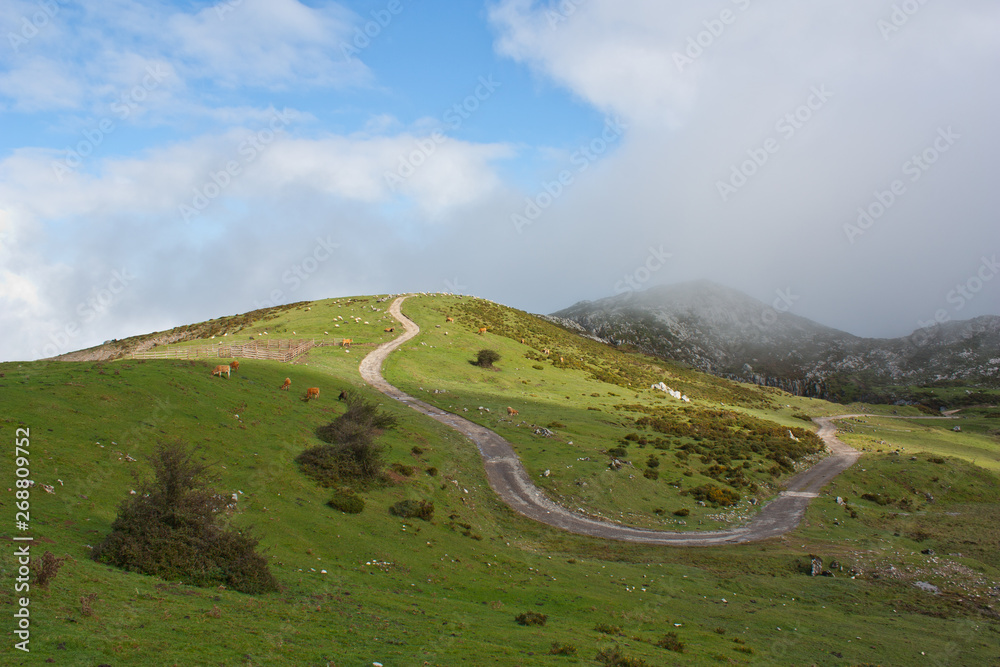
{"x": 509, "y": 480}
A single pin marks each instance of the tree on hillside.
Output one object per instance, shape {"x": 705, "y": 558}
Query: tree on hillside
{"x": 173, "y": 528}
{"x": 486, "y": 358}
{"x": 352, "y": 454}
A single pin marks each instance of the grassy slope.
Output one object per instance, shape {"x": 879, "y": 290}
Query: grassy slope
{"x": 446, "y": 595}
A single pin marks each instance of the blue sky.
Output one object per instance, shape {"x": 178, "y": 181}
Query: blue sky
{"x": 174, "y": 161}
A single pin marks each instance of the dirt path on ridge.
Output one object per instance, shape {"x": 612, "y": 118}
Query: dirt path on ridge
{"x": 509, "y": 480}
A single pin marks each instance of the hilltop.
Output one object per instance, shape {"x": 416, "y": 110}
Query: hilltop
{"x": 373, "y": 587}
{"x": 723, "y": 331}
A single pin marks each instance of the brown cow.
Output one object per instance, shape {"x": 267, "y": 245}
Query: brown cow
{"x": 546, "y": 352}
{"x": 390, "y": 329}
{"x": 312, "y": 392}
{"x": 346, "y": 342}
{"x": 511, "y": 412}
{"x": 288, "y": 383}
{"x": 234, "y": 365}
{"x": 219, "y": 370}
{"x": 482, "y": 330}
{"x": 449, "y": 319}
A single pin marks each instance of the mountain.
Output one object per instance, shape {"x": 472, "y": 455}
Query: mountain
{"x": 725, "y": 332}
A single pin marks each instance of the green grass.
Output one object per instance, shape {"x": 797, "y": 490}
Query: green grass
{"x": 978, "y": 442}
{"x": 410, "y": 592}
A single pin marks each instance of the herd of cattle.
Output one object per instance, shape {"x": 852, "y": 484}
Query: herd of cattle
{"x": 233, "y": 366}
{"x": 313, "y": 392}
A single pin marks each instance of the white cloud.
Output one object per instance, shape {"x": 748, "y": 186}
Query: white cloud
{"x": 42, "y": 84}
{"x": 84, "y": 58}
{"x": 268, "y": 43}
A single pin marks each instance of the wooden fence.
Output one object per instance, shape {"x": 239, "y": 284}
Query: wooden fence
{"x": 275, "y": 350}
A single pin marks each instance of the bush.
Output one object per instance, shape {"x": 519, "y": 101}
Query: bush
{"x": 172, "y": 528}
{"x": 347, "y": 503}
{"x": 562, "y": 649}
{"x": 876, "y": 498}
{"x": 531, "y": 618}
{"x": 413, "y": 509}
{"x": 607, "y": 629}
{"x": 352, "y": 455}
{"x": 710, "y": 493}
{"x": 432, "y": 471}
{"x": 613, "y": 657}
{"x": 486, "y": 358}
{"x": 682, "y": 512}
{"x": 650, "y": 473}
{"x": 670, "y": 642}
{"x": 46, "y": 568}
{"x": 404, "y": 470}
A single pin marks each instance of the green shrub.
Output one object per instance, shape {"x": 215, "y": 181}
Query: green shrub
{"x": 352, "y": 454}
{"x": 608, "y": 629}
{"x": 562, "y": 649}
{"x": 432, "y": 471}
{"x": 486, "y": 358}
{"x": 173, "y": 528}
{"x": 531, "y": 618}
{"x": 347, "y": 503}
{"x": 650, "y": 473}
{"x": 710, "y": 493}
{"x": 670, "y": 642}
{"x": 682, "y": 512}
{"x": 404, "y": 470}
{"x": 538, "y": 367}
{"x": 876, "y": 498}
{"x": 613, "y": 657}
{"x": 413, "y": 509}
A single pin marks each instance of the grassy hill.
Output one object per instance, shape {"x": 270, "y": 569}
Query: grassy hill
{"x": 372, "y": 587}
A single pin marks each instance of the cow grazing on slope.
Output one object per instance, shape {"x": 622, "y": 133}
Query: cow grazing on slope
{"x": 482, "y": 330}
{"x": 390, "y": 329}
{"x": 312, "y": 392}
{"x": 511, "y": 412}
{"x": 346, "y": 342}
{"x": 288, "y": 383}
{"x": 449, "y": 319}
{"x": 219, "y": 370}
{"x": 234, "y": 365}
{"x": 343, "y": 395}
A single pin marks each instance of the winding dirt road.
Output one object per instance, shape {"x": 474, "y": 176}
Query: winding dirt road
{"x": 509, "y": 480}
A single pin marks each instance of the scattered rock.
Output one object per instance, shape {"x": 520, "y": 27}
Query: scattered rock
{"x": 930, "y": 588}
{"x": 544, "y": 432}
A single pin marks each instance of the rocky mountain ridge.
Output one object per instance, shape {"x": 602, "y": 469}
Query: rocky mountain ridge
{"x": 730, "y": 334}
